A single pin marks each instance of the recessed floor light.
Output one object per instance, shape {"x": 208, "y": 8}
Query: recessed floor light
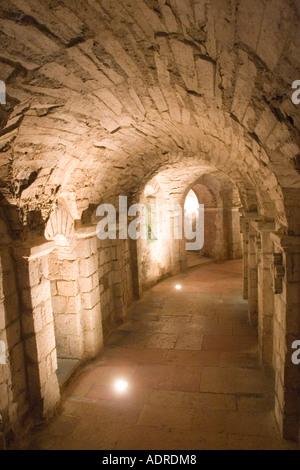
{"x": 178, "y": 286}
{"x": 121, "y": 386}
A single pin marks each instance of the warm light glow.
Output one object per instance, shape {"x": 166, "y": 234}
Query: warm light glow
{"x": 121, "y": 385}
{"x": 191, "y": 202}
{"x": 178, "y": 287}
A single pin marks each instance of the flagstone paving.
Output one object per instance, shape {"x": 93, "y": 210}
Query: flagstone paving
{"x": 194, "y": 378}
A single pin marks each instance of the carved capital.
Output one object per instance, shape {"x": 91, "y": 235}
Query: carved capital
{"x": 278, "y": 272}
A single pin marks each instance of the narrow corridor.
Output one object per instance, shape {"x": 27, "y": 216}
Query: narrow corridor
{"x": 194, "y": 380}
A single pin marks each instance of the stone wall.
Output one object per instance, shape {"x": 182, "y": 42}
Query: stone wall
{"x": 155, "y": 261}
{"x": 91, "y": 317}
{"x": 38, "y": 326}
{"x": 122, "y": 280}
{"x": 236, "y": 250}
{"x": 105, "y": 279}
{"x": 64, "y": 276}
{"x": 286, "y": 272}
{"x": 115, "y": 278}
{"x": 271, "y": 272}
{"x": 14, "y": 406}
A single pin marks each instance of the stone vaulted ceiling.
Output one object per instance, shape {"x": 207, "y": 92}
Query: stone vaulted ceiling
{"x": 102, "y": 95}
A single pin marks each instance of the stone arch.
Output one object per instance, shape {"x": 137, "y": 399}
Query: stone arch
{"x": 222, "y": 239}
{"x": 154, "y": 253}
{"x": 100, "y": 107}
{"x": 211, "y": 201}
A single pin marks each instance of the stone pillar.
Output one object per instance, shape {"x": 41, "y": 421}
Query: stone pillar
{"x": 264, "y": 247}
{"x": 178, "y": 242}
{"x": 135, "y": 250}
{"x": 86, "y": 246}
{"x": 252, "y": 278}
{"x": 236, "y": 247}
{"x": 119, "y": 279}
{"x": 245, "y": 233}
{"x": 38, "y": 327}
{"x": 177, "y": 252}
{"x": 66, "y": 305}
{"x": 226, "y": 195}
{"x": 286, "y": 278}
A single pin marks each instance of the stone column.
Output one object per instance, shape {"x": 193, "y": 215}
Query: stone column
{"x": 245, "y": 233}
{"x": 119, "y": 278}
{"x": 178, "y": 259}
{"x": 86, "y": 247}
{"x": 265, "y": 290}
{"x": 252, "y": 277}
{"x": 66, "y": 305}
{"x": 286, "y": 278}
{"x": 135, "y": 250}
{"x": 38, "y": 327}
{"x": 226, "y": 195}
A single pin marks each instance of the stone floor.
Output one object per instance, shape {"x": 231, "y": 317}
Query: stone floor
{"x": 194, "y": 381}
{"x": 194, "y": 259}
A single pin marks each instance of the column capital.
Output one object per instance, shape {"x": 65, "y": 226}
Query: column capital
{"x": 33, "y": 249}
{"x": 288, "y": 243}
{"x": 262, "y": 225}
{"x": 249, "y": 214}
{"x": 85, "y": 231}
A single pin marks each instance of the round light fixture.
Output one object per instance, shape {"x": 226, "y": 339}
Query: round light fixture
{"x": 121, "y": 385}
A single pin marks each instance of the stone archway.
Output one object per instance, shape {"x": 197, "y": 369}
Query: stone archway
{"x": 103, "y": 97}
